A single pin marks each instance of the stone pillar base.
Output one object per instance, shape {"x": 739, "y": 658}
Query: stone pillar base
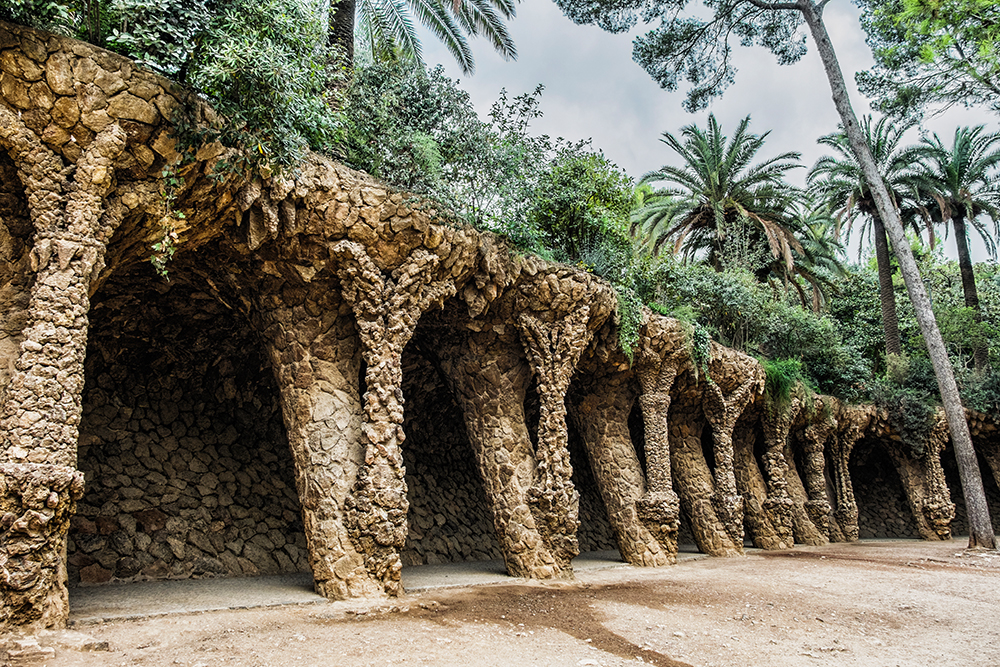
{"x": 729, "y": 509}
{"x": 659, "y": 512}
{"x": 555, "y": 512}
{"x": 847, "y": 518}
{"x": 780, "y": 510}
{"x": 819, "y": 514}
{"x": 36, "y": 503}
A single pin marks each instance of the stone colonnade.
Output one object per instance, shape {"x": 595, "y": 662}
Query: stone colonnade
{"x": 334, "y": 273}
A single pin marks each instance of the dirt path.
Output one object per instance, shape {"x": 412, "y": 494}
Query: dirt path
{"x": 888, "y": 604}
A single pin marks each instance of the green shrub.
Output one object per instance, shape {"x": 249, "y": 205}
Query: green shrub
{"x": 263, "y": 66}
{"x": 783, "y": 378}
{"x": 407, "y": 126}
{"x": 53, "y": 15}
{"x": 742, "y": 313}
{"x": 911, "y": 413}
{"x": 981, "y": 391}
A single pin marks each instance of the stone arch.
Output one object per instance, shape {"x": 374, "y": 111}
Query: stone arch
{"x": 188, "y": 467}
{"x": 883, "y": 510}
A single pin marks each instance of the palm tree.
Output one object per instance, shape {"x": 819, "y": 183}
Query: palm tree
{"x": 961, "y": 181}
{"x": 385, "y": 28}
{"x": 819, "y": 262}
{"x": 840, "y": 183}
{"x": 719, "y": 198}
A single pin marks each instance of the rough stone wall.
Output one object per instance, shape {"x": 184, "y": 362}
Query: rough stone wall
{"x": 883, "y": 510}
{"x": 449, "y": 517}
{"x": 182, "y": 443}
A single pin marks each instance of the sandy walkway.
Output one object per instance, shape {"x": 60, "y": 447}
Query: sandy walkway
{"x": 887, "y": 604}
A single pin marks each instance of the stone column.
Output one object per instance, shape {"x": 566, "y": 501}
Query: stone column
{"x": 813, "y": 441}
{"x": 488, "y": 374}
{"x": 852, "y": 423}
{"x": 923, "y": 481}
{"x": 40, "y": 417}
{"x": 722, "y": 411}
{"x": 601, "y": 417}
{"x": 938, "y": 509}
{"x": 777, "y": 423}
{"x": 553, "y": 349}
{"x": 315, "y": 353}
{"x": 804, "y": 530}
{"x": 387, "y": 309}
{"x": 659, "y": 508}
{"x": 750, "y": 482}
{"x": 809, "y": 510}
{"x": 693, "y": 479}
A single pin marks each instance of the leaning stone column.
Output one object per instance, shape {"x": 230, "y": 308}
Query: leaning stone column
{"x": 938, "y": 509}
{"x": 923, "y": 478}
{"x": 601, "y": 417}
{"x": 722, "y": 412}
{"x": 693, "y": 478}
{"x": 804, "y": 530}
{"x": 315, "y": 353}
{"x": 810, "y": 509}
{"x": 777, "y": 423}
{"x": 488, "y": 375}
{"x": 750, "y": 482}
{"x": 40, "y": 417}
{"x": 852, "y": 423}
{"x": 813, "y": 440}
{"x": 387, "y": 309}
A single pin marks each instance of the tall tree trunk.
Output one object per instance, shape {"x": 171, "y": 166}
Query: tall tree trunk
{"x": 342, "y": 29}
{"x": 886, "y": 294}
{"x": 980, "y": 352}
{"x": 92, "y": 19}
{"x": 980, "y": 528}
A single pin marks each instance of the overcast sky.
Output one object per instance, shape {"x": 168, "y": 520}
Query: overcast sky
{"x": 594, "y": 89}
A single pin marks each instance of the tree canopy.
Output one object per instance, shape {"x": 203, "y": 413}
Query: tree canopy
{"x": 932, "y": 54}
{"x": 382, "y": 30}
{"x": 690, "y": 46}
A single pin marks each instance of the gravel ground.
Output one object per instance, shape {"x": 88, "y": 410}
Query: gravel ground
{"x": 871, "y": 604}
